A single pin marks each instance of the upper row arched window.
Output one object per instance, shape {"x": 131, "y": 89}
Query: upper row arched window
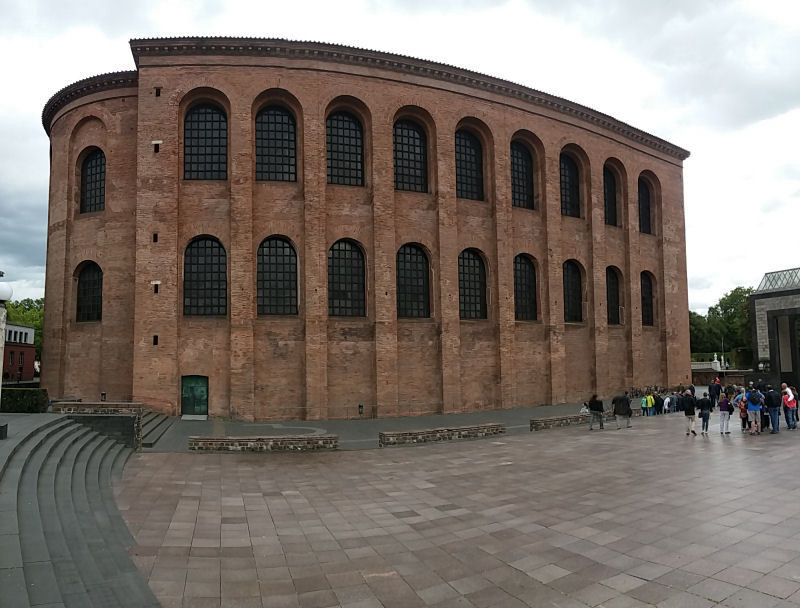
{"x": 276, "y": 145}
{"x": 521, "y": 176}
{"x": 570, "y": 186}
{"x": 609, "y": 196}
{"x": 205, "y": 143}
{"x": 644, "y": 207}
{"x": 410, "y": 156}
{"x": 469, "y": 166}
{"x": 93, "y": 181}
{"x": 344, "y": 140}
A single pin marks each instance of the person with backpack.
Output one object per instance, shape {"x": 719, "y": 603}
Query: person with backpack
{"x": 688, "y": 406}
{"x": 754, "y": 397}
{"x": 725, "y": 411}
{"x": 773, "y": 402}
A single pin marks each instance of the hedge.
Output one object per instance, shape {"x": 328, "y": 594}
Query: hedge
{"x": 24, "y": 400}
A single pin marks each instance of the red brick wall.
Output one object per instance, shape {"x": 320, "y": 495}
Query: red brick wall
{"x": 311, "y": 366}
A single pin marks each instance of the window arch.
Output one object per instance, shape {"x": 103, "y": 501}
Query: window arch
{"x": 610, "y": 196}
{"x": 205, "y": 278}
{"x": 410, "y": 156}
{"x": 276, "y": 145}
{"x": 471, "y": 285}
{"x": 521, "y": 176}
{"x": 205, "y": 143}
{"x": 613, "y": 300}
{"x": 276, "y": 277}
{"x": 648, "y": 311}
{"x": 570, "y": 186}
{"x": 413, "y": 282}
{"x": 469, "y": 166}
{"x": 524, "y": 289}
{"x": 93, "y": 182}
{"x": 90, "y": 293}
{"x": 346, "y": 282}
{"x": 573, "y": 292}
{"x": 645, "y": 209}
{"x": 344, "y": 140}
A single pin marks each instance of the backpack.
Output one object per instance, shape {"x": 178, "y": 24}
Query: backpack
{"x": 754, "y": 397}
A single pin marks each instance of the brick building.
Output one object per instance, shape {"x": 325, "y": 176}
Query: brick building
{"x": 19, "y": 353}
{"x": 275, "y": 229}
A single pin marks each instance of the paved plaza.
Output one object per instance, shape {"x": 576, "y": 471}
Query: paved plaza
{"x": 563, "y": 518}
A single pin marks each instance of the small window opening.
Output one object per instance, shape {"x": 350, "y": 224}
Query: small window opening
{"x": 155, "y": 148}
{"x": 155, "y": 237}
{"x": 158, "y": 91}
{"x": 155, "y": 288}
{"x": 155, "y": 338}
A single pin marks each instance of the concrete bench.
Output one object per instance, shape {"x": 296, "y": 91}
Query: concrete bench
{"x": 3, "y": 431}
{"x": 553, "y": 422}
{"x": 388, "y": 438}
{"x": 275, "y": 443}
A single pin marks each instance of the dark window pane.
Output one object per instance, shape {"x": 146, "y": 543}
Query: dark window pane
{"x": 469, "y": 166}
{"x": 346, "y": 286}
{"x": 276, "y": 280}
{"x": 413, "y": 297}
{"x": 521, "y": 176}
{"x": 570, "y": 187}
{"x": 612, "y": 296}
{"x": 524, "y": 289}
{"x": 610, "y": 196}
{"x": 644, "y": 207}
{"x": 205, "y": 143}
{"x": 410, "y": 157}
{"x": 93, "y": 182}
{"x": 90, "y": 293}
{"x": 276, "y": 145}
{"x": 471, "y": 285}
{"x": 344, "y": 149}
{"x": 573, "y": 293}
{"x": 205, "y": 278}
{"x": 647, "y": 300}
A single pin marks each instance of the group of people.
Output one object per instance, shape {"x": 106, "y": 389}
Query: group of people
{"x": 759, "y": 407}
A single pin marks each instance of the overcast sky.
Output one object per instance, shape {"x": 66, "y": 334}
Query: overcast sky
{"x": 721, "y": 79}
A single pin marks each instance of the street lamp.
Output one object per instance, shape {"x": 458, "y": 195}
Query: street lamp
{"x": 5, "y": 295}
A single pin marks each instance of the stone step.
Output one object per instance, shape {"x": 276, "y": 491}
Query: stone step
{"x": 108, "y": 477}
{"x": 153, "y": 427}
{"x": 70, "y": 583}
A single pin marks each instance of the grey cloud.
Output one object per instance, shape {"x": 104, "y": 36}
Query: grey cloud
{"x": 699, "y": 283}
{"x": 23, "y": 224}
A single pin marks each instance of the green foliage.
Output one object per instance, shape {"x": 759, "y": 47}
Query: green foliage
{"x": 727, "y": 323}
{"x": 28, "y": 312}
{"x": 24, "y": 400}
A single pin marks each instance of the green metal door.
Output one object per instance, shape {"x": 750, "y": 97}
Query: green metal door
{"x": 194, "y": 395}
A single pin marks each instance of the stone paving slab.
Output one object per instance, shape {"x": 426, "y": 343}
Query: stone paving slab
{"x": 566, "y": 518}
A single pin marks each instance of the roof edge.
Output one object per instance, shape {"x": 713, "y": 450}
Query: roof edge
{"x": 93, "y": 84}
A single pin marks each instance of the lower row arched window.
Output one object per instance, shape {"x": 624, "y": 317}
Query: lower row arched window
{"x": 413, "y": 278}
{"x": 648, "y": 313}
{"x": 471, "y": 285}
{"x": 205, "y": 278}
{"x": 573, "y": 292}
{"x": 524, "y": 289}
{"x": 346, "y": 282}
{"x": 612, "y": 296}
{"x": 90, "y": 293}
{"x": 276, "y": 277}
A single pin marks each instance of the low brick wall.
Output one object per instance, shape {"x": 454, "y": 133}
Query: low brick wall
{"x": 541, "y": 424}
{"x": 389, "y": 438}
{"x": 277, "y": 443}
{"x": 115, "y": 430}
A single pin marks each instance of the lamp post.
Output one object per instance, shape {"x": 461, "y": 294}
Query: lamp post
{"x": 5, "y": 295}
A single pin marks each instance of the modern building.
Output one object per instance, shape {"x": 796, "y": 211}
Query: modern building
{"x": 775, "y": 322}
{"x": 269, "y": 229}
{"x": 19, "y": 353}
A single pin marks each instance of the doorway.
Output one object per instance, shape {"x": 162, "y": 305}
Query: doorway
{"x": 194, "y": 395}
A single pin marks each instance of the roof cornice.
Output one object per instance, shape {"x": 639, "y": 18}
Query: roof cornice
{"x": 94, "y": 84}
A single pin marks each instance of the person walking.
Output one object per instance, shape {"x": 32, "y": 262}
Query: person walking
{"x": 789, "y": 407}
{"x": 741, "y": 403}
{"x": 595, "y": 412}
{"x": 705, "y": 407}
{"x": 688, "y": 406}
{"x": 622, "y": 409}
{"x": 753, "y": 399}
{"x": 725, "y": 411}
{"x": 773, "y": 402}
{"x": 658, "y": 404}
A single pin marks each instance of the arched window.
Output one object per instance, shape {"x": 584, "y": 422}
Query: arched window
{"x": 471, "y": 285}
{"x": 524, "y": 289}
{"x": 521, "y": 176}
{"x": 205, "y": 278}
{"x": 344, "y": 141}
{"x": 276, "y": 145}
{"x": 90, "y": 293}
{"x": 346, "y": 285}
{"x": 610, "y": 196}
{"x": 644, "y": 207}
{"x": 205, "y": 143}
{"x": 570, "y": 187}
{"x": 612, "y": 295}
{"x": 276, "y": 277}
{"x": 93, "y": 182}
{"x": 410, "y": 157}
{"x": 648, "y": 316}
{"x": 469, "y": 166}
{"x": 573, "y": 293}
{"x": 413, "y": 291}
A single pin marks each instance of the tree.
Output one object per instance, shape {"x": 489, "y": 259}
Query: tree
{"x": 28, "y": 312}
{"x": 701, "y": 339}
{"x": 730, "y": 318}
